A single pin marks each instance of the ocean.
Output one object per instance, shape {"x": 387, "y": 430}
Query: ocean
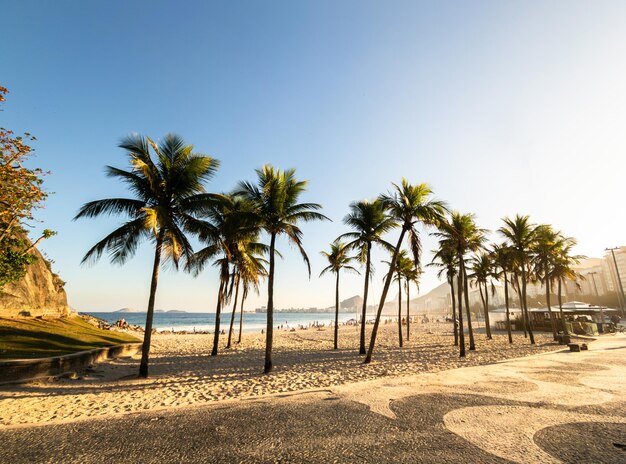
{"x": 252, "y": 322}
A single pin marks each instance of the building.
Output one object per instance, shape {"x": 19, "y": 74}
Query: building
{"x": 610, "y": 271}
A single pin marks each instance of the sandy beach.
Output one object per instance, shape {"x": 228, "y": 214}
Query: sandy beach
{"x": 183, "y": 374}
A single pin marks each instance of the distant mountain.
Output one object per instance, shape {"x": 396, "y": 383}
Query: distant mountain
{"x": 129, "y": 310}
{"x": 133, "y": 310}
{"x": 352, "y": 303}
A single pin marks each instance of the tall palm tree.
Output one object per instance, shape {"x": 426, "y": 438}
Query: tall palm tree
{"x": 481, "y": 267}
{"x": 462, "y": 234}
{"x": 521, "y": 235}
{"x": 445, "y": 258}
{"x": 229, "y": 224}
{"x": 408, "y": 205}
{"x": 275, "y": 197}
{"x": 338, "y": 259}
{"x": 369, "y": 222}
{"x": 501, "y": 258}
{"x": 545, "y": 250}
{"x": 168, "y": 196}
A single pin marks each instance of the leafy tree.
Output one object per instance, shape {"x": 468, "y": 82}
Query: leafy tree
{"x": 169, "y": 194}
{"x": 21, "y": 194}
{"x": 275, "y": 198}
{"x": 369, "y": 222}
{"x": 338, "y": 259}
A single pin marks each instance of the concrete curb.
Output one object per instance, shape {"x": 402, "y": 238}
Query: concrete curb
{"x": 24, "y": 370}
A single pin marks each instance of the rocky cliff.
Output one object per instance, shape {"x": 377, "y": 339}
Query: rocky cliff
{"x": 39, "y": 293}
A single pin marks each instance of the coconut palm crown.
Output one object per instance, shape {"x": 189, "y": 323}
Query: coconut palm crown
{"x": 369, "y": 223}
{"x": 169, "y": 195}
{"x": 337, "y": 259}
{"x": 409, "y": 205}
{"x": 275, "y": 197}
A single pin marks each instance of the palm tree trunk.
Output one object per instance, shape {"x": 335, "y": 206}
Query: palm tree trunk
{"x": 218, "y": 312}
{"x": 336, "y": 310}
{"x": 460, "y": 301}
{"x": 408, "y": 302}
{"x": 383, "y": 297}
{"x": 269, "y": 333}
{"x": 454, "y": 321}
{"x": 243, "y": 298}
{"x": 232, "y": 316}
{"x": 552, "y": 319}
{"x": 368, "y": 263}
{"x": 506, "y": 304}
{"x": 518, "y": 289}
{"x": 472, "y": 346}
{"x": 487, "y": 321}
{"x": 147, "y": 335}
{"x": 561, "y": 311}
{"x": 528, "y": 323}
{"x": 482, "y": 300}
{"x": 400, "y": 311}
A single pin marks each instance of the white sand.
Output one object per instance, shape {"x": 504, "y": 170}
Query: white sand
{"x": 182, "y": 373}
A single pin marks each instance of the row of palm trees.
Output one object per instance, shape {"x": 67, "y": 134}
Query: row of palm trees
{"x": 528, "y": 253}
{"x": 170, "y": 204}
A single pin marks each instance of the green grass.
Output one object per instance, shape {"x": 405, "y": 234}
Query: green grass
{"x": 39, "y": 338}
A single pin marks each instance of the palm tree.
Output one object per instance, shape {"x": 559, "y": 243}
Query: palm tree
{"x": 501, "y": 258}
{"x": 369, "y": 222}
{"x": 248, "y": 259}
{"x": 408, "y": 205}
{"x": 400, "y": 269}
{"x": 250, "y": 275}
{"x": 481, "y": 267}
{"x": 169, "y": 195}
{"x": 463, "y": 235}
{"x": 564, "y": 270}
{"x": 545, "y": 250}
{"x": 275, "y": 197}
{"x": 410, "y": 273}
{"x": 230, "y": 223}
{"x": 521, "y": 235}
{"x": 338, "y": 259}
{"x": 445, "y": 258}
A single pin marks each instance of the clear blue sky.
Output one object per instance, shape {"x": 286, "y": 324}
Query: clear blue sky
{"x": 503, "y": 107}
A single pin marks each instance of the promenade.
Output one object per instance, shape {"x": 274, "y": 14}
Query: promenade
{"x": 549, "y": 408}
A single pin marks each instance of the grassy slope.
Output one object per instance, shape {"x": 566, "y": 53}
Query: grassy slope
{"x": 38, "y": 338}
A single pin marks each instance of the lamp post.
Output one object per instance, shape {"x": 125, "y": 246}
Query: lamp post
{"x": 593, "y": 278}
{"x": 619, "y": 280}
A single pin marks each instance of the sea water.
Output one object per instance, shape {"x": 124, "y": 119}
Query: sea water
{"x": 205, "y": 322}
